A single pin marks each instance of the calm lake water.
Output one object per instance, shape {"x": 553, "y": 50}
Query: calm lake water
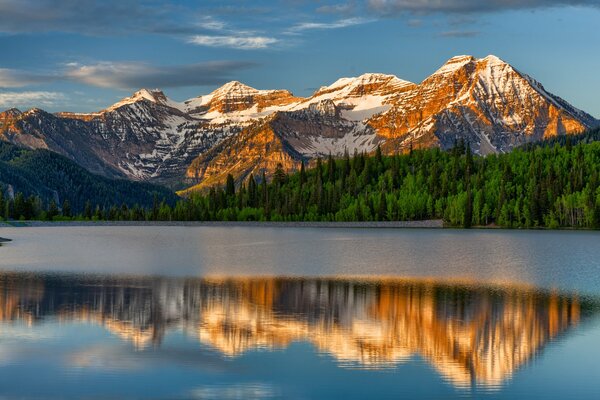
{"x": 300, "y": 313}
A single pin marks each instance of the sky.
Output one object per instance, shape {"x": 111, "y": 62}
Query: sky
{"x": 82, "y": 55}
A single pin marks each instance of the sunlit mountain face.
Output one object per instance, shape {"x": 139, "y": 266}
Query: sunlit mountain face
{"x": 472, "y": 335}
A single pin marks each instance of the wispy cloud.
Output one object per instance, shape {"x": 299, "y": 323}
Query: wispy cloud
{"x": 212, "y": 24}
{"x": 233, "y": 41}
{"x": 128, "y": 75}
{"x": 390, "y": 7}
{"x": 459, "y": 34}
{"x": 27, "y": 99}
{"x": 107, "y": 17}
{"x": 342, "y": 23}
{"x": 224, "y": 36}
{"x": 12, "y": 78}
{"x": 340, "y": 9}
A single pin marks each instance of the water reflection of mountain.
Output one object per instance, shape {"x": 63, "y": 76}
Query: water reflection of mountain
{"x": 470, "y": 334}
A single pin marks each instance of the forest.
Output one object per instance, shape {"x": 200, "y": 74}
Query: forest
{"x": 36, "y": 182}
{"x": 552, "y": 184}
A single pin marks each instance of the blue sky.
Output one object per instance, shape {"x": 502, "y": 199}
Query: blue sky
{"x": 82, "y": 55}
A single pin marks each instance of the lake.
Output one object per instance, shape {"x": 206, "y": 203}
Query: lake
{"x": 299, "y": 313}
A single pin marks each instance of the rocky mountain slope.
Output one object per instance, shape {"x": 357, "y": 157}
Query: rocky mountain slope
{"x": 241, "y": 130}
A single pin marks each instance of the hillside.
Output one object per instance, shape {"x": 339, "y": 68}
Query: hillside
{"x": 51, "y": 176}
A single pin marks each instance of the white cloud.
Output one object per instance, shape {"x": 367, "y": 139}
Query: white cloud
{"x": 342, "y": 23}
{"x": 233, "y": 41}
{"x": 27, "y": 99}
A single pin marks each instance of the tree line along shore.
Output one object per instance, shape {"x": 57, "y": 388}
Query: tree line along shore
{"x": 555, "y": 184}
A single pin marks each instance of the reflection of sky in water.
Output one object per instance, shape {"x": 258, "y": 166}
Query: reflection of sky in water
{"x": 142, "y": 337}
{"x": 565, "y": 260}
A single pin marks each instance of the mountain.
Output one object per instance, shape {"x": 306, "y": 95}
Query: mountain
{"x": 485, "y": 101}
{"x": 53, "y": 177}
{"x": 241, "y": 130}
{"x": 141, "y": 137}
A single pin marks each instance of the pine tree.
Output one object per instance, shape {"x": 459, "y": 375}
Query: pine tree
{"x": 382, "y": 209}
{"x": 346, "y": 164}
{"x": 468, "y": 217}
{"x": 330, "y": 169}
{"x": 302, "y": 174}
{"x": 230, "y": 186}
{"x": 155, "y": 208}
{"x": 378, "y": 156}
{"x": 87, "y": 213}
{"x": 98, "y": 213}
{"x": 52, "y": 210}
{"x": 265, "y": 190}
{"x": 66, "y": 209}
{"x": 252, "y": 195}
{"x": 319, "y": 168}
{"x": 279, "y": 176}
{"x": 19, "y": 206}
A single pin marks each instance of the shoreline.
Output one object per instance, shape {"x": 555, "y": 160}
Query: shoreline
{"x": 431, "y": 224}
{"x": 423, "y": 224}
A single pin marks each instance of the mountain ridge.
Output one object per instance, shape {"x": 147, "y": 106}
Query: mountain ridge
{"x": 148, "y": 136}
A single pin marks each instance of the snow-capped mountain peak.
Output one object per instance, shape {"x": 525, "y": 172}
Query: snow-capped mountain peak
{"x": 453, "y": 64}
{"x": 365, "y": 84}
{"x": 490, "y": 58}
{"x": 149, "y": 94}
{"x": 238, "y": 101}
{"x": 234, "y": 88}
{"x": 154, "y": 96}
{"x": 360, "y": 97}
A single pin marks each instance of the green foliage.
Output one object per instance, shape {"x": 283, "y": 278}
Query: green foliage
{"x": 536, "y": 186}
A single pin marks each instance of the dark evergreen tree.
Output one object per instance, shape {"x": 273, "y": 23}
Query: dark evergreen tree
{"x": 66, "y": 209}
{"x": 230, "y": 186}
{"x": 52, "y": 210}
{"x": 87, "y": 213}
